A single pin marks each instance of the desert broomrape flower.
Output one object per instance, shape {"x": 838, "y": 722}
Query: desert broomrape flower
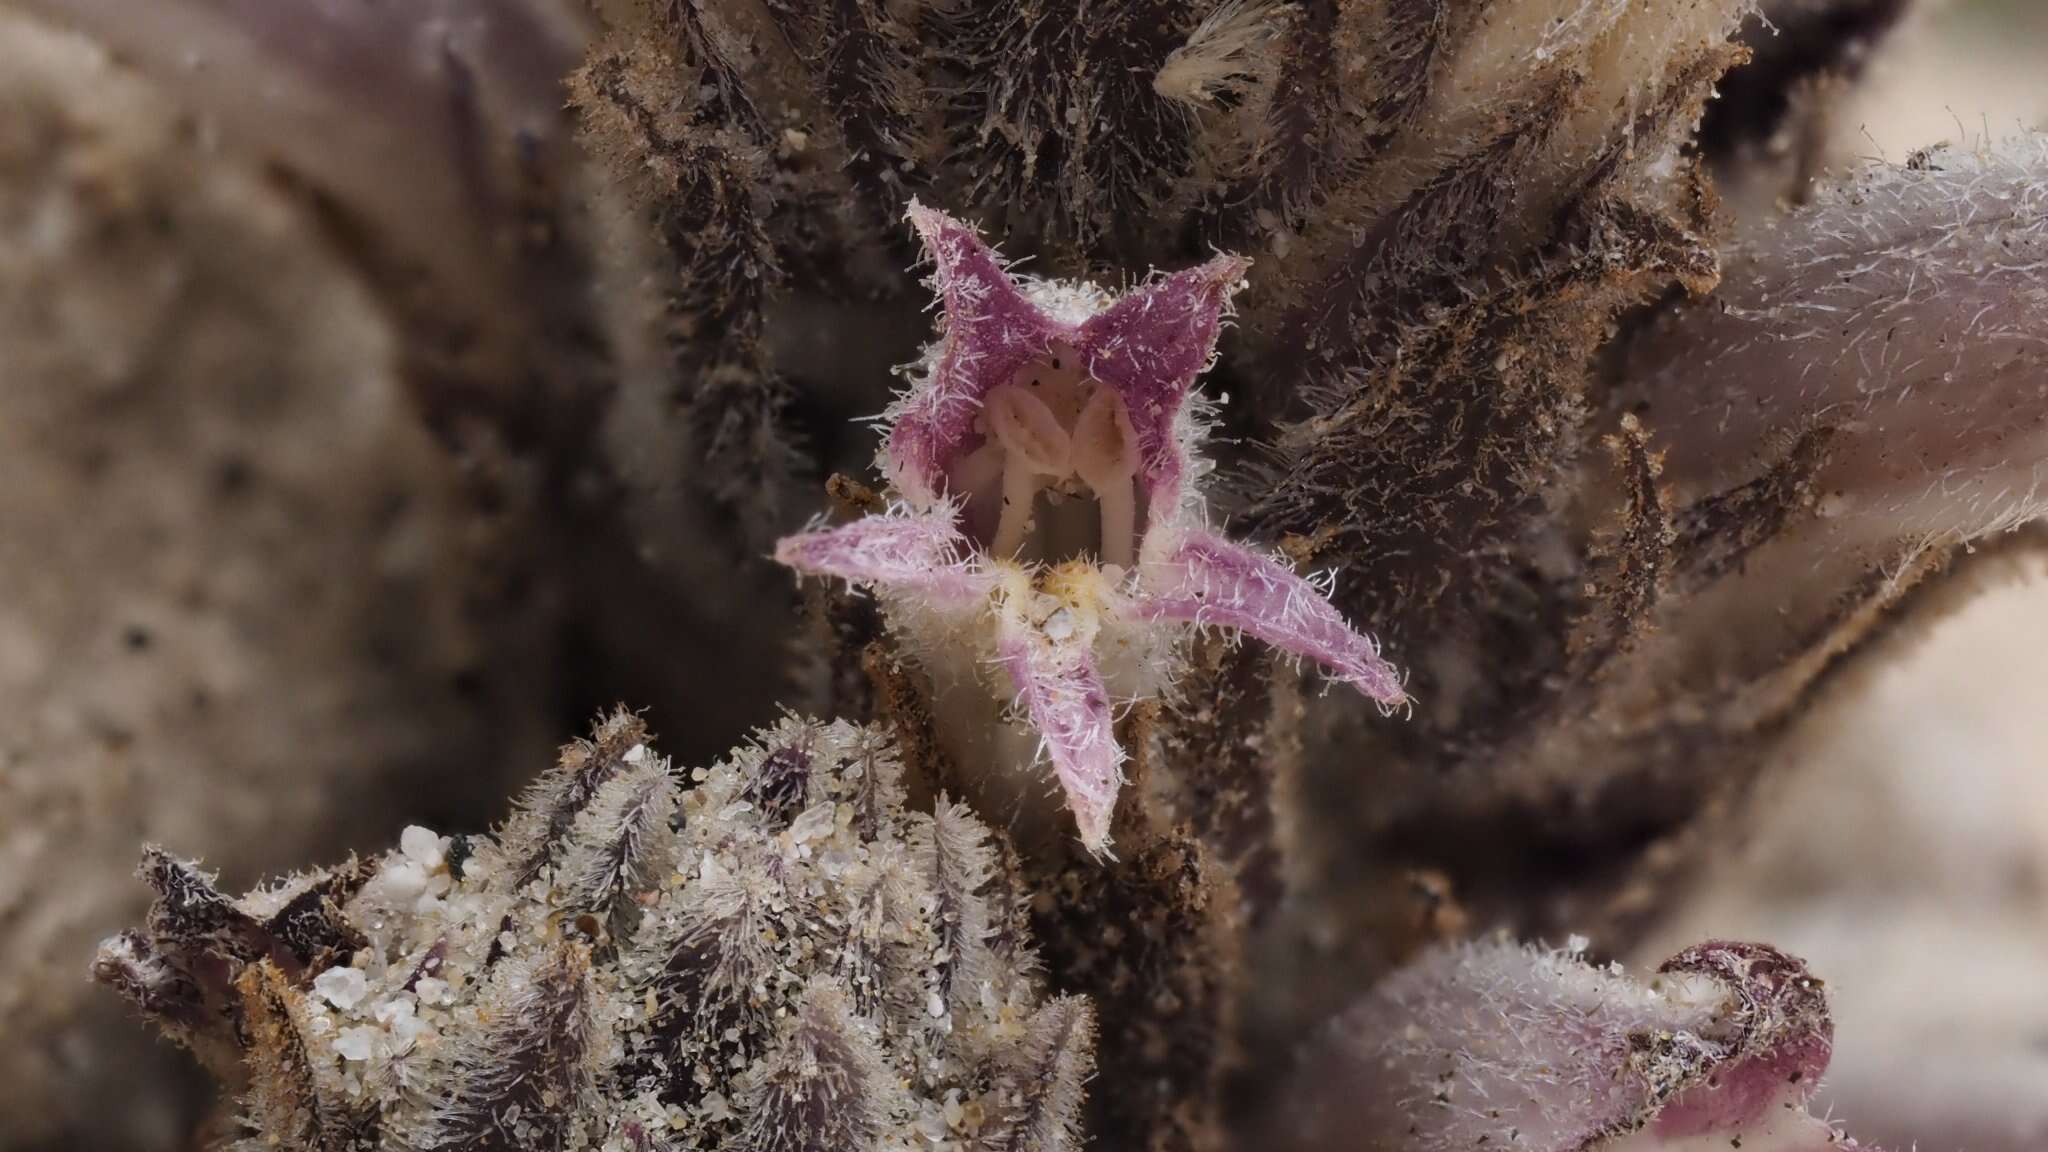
{"x": 1047, "y": 518}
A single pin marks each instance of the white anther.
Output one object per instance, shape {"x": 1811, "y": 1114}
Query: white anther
{"x": 1105, "y": 454}
{"x": 1029, "y": 432}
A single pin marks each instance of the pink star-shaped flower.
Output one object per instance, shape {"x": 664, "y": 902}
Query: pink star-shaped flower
{"x": 1047, "y": 522}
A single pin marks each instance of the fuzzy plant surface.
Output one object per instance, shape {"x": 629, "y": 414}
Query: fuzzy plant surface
{"x": 768, "y": 954}
{"x": 1457, "y": 209}
{"x": 1620, "y": 475}
{"x": 1493, "y": 1044}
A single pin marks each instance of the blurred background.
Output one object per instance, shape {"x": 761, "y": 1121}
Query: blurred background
{"x": 249, "y": 609}
{"x": 1902, "y": 848}
{"x": 1971, "y": 69}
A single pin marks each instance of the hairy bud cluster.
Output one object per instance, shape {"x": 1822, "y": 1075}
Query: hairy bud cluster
{"x": 768, "y": 954}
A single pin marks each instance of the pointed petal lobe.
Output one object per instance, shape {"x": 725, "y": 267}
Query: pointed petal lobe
{"x": 990, "y": 330}
{"x": 1151, "y": 344}
{"x": 1060, "y": 688}
{"x": 899, "y": 551}
{"x": 1206, "y": 580}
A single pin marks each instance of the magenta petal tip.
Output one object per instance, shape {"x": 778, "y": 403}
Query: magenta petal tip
{"x": 1208, "y": 580}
